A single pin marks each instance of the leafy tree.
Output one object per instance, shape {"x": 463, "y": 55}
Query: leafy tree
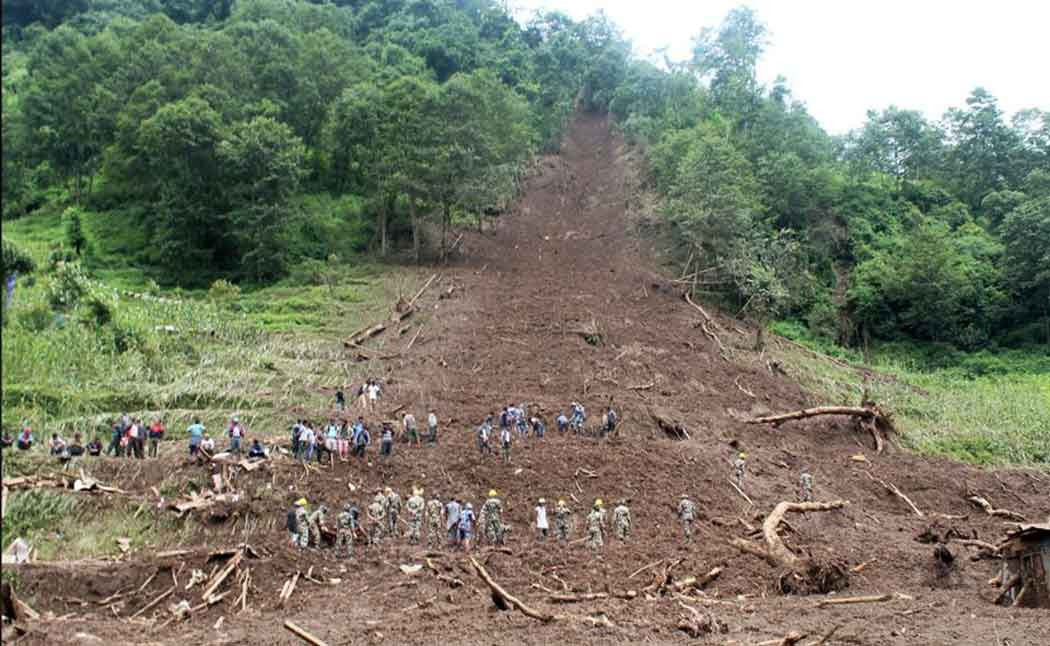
{"x": 728, "y": 57}
{"x": 74, "y": 230}
{"x": 900, "y": 143}
{"x": 262, "y": 165}
{"x": 1025, "y": 232}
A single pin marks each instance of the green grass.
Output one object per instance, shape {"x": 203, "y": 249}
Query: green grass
{"x": 255, "y": 353}
{"x": 983, "y": 408}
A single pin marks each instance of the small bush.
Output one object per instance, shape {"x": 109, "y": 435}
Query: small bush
{"x": 96, "y": 310}
{"x": 222, "y": 290}
{"x": 35, "y": 319}
{"x": 68, "y": 285}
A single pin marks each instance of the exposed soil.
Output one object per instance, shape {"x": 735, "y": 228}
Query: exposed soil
{"x": 568, "y": 259}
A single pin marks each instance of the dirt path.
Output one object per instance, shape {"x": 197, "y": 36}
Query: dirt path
{"x": 566, "y": 258}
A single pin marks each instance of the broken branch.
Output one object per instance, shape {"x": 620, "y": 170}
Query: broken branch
{"x": 499, "y": 593}
{"x": 851, "y": 600}
{"x": 302, "y": 634}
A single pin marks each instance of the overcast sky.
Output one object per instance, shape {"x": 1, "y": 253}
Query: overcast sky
{"x": 842, "y": 57}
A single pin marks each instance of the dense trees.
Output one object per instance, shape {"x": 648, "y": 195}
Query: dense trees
{"x": 211, "y": 118}
{"x": 227, "y": 127}
{"x": 935, "y": 231}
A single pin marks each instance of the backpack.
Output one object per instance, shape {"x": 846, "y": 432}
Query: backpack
{"x": 612, "y": 417}
{"x": 291, "y": 523}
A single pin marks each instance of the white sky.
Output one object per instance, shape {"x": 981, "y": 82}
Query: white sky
{"x": 846, "y": 56}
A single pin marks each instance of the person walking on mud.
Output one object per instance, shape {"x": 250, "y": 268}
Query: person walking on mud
{"x": 739, "y": 469}
{"x": 805, "y": 486}
{"x": 435, "y": 522}
{"x": 466, "y": 526}
{"x": 386, "y": 441}
{"x": 622, "y": 520}
{"x": 596, "y": 525}
{"x": 562, "y": 519}
{"x": 687, "y": 514}
{"x": 393, "y": 511}
{"x": 541, "y": 519}
{"x": 484, "y": 436}
{"x": 504, "y": 442}
{"x": 452, "y": 513}
{"x": 376, "y": 519}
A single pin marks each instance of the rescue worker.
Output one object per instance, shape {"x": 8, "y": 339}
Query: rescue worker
{"x": 298, "y": 525}
{"x": 805, "y": 485}
{"x": 492, "y": 511}
{"x": 316, "y": 521}
{"x": 393, "y": 511}
{"x": 596, "y": 525}
{"x": 739, "y": 468}
{"x": 504, "y": 443}
{"x": 415, "y": 506}
{"x": 622, "y": 519}
{"x": 347, "y": 529}
{"x": 377, "y": 519}
{"x": 686, "y": 514}
{"x": 484, "y": 434}
{"x": 435, "y": 522}
{"x": 562, "y": 519}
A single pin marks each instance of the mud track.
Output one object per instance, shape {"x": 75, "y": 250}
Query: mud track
{"x": 568, "y": 259}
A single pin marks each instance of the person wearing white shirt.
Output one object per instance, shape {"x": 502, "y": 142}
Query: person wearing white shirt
{"x": 541, "y": 518}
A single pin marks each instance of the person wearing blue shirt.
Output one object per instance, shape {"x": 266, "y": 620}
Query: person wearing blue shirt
{"x": 466, "y": 526}
{"x": 196, "y": 431}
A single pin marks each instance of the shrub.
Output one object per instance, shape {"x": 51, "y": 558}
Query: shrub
{"x": 97, "y": 310}
{"x": 67, "y": 287}
{"x": 222, "y": 290}
{"x": 35, "y": 319}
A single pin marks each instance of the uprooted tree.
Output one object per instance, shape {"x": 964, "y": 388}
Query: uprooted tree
{"x": 869, "y": 416}
{"x": 799, "y": 575}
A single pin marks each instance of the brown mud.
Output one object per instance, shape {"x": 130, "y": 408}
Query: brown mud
{"x": 568, "y": 259}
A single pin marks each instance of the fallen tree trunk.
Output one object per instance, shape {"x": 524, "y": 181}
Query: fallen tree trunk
{"x": 852, "y": 411}
{"x": 508, "y": 600}
{"x": 803, "y": 575}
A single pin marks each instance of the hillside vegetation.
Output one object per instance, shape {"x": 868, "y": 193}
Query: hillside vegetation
{"x": 199, "y": 197}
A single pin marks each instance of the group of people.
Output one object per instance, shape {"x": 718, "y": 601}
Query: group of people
{"x": 454, "y": 523}
{"x": 202, "y": 444}
{"x": 515, "y": 420}
{"x": 368, "y": 394}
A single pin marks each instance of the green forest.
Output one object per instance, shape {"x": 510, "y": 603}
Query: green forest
{"x": 178, "y": 145}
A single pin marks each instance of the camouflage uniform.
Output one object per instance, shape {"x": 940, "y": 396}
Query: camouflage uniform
{"x": 377, "y": 519}
{"x": 561, "y": 522}
{"x": 622, "y": 521}
{"x": 687, "y": 514}
{"x": 436, "y": 521}
{"x": 414, "y": 506}
{"x": 492, "y": 511}
{"x": 596, "y": 528}
{"x": 347, "y": 526}
{"x": 316, "y": 520}
{"x": 393, "y": 511}
{"x": 739, "y": 466}
{"x": 302, "y": 526}
{"x": 805, "y": 483}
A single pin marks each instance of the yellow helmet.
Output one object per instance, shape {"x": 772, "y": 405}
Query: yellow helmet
{"x": 743, "y": 456}
{"x": 561, "y": 502}
{"x": 598, "y": 502}
{"x": 492, "y": 493}
{"x": 301, "y": 502}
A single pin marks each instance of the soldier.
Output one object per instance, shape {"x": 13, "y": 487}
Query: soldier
{"x": 492, "y": 510}
{"x": 347, "y": 522}
{"x": 415, "y": 506}
{"x": 377, "y": 519}
{"x": 436, "y": 522}
{"x": 739, "y": 467}
{"x": 300, "y": 521}
{"x": 393, "y": 511}
{"x": 596, "y": 525}
{"x": 805, "y": 484}
{"x": 561, "y": 520}
{"x": 622, "y": 519}
{"x": 686, "y": 514}
{"x": 316, "y": 521}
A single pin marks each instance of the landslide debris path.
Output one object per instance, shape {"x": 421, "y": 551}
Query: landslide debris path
{"x": 564, "y": 264}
